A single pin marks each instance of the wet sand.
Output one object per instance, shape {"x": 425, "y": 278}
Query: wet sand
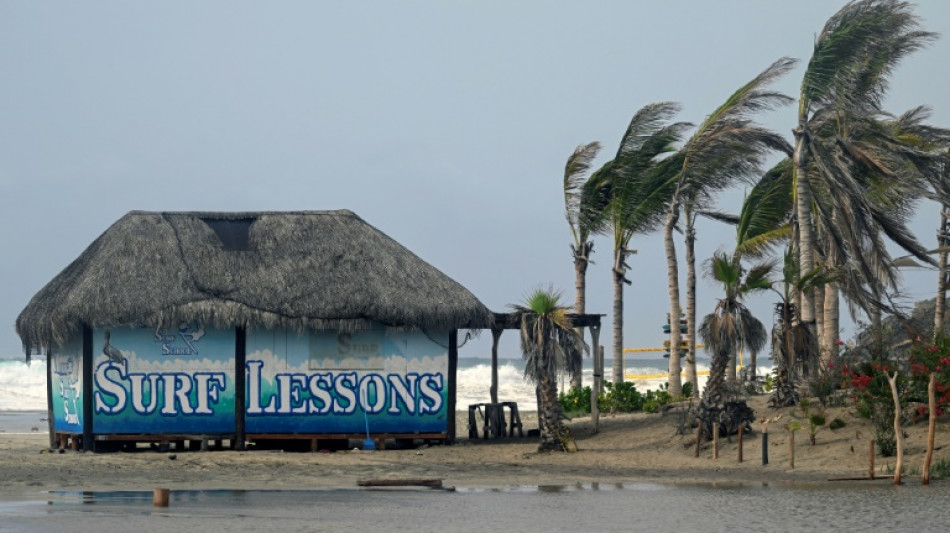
{"x": 628, "y": 448}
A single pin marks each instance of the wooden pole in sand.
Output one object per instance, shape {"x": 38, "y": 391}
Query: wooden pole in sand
{"x": 892, "y": 381}
{"x": 740, "y": 443}
{"x": 791, "y": 449}
{"x": 871, "y": 460}
{"x": 715, "y": 440}
{"x": 931, "y": 427}
{"x": 160, "y": 497}
{"x": 598, "y": 376}
{"x": 765, "y": 445}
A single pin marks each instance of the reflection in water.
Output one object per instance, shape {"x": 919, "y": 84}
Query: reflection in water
{"x": 578, "y": 506}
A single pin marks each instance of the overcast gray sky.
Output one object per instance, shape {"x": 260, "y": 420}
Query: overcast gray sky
{"x": 445, "y": 124}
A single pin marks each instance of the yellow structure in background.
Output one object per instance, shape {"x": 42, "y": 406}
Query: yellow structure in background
{"x": 658, "y": 376}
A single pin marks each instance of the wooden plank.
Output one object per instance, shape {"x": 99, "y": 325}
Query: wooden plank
{"x": 432, "y": 483}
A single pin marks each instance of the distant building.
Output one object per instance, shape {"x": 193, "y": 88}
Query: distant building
{"x": 248, "y": 326}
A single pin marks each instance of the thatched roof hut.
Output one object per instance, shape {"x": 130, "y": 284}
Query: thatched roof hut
{"x": 294, "y": 270}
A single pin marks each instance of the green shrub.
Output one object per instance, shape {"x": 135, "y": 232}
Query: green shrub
{"x": 575, "y": 402}
{"x": 621, "y": 397}
{"x": 836, "y": 424}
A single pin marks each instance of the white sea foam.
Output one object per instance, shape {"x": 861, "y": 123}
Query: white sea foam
{"x": 22, "y": 387}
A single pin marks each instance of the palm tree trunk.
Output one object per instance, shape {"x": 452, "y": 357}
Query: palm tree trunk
{"x": 806, "y": 247}
{"x": 674, "y": 382}
{"x": 690, "y": 306}
{"x": 580, "y": 303}
{"x": 618, "y": 273}
{"x": 829, "y": 345}
{"x": 819, "y": 293}
{"x": 877, "y": 333}
{"x": 550, "y": 415}
{"x": 943, "y": 241}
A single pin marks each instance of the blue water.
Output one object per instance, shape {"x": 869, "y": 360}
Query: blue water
{"x": 582, "y": 507}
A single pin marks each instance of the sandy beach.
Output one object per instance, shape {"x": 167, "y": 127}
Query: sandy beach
{"x": 628, "y": 448}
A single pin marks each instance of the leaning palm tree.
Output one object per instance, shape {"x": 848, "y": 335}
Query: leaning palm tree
{"x": 844, "y": 83}
{"x": 727, "y": 147}
{"x": 550, "y": 347}
{"x": 581, "y": 222}
{"x": 634, "y": 187}
{"x": 731, "y": 326}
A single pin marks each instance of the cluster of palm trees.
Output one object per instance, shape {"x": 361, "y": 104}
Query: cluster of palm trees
{"x": 844, "y": 188}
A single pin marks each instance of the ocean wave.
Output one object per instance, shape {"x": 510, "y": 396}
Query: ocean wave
{"x": 22, "y": 386}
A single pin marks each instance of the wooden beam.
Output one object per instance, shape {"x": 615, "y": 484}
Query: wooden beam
{"x": 452, "y": 378}
{"x": 49, "y": 398}
{"x": 240, "y": 385}
{"x": 88, "y": 443}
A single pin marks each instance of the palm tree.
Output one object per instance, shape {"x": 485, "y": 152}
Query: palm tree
{"x": 580, "y": 222}
{"x": 634, "y": 187}
{"x": 550, "y": 347}
{"x": 728, "y": 146}
{"x": 794, "y": 346}
{"x": 731, "y": 326}
{"x": 843, "y": 86}
{"x": 764, "y": 222}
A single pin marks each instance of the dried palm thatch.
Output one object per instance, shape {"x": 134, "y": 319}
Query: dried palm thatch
{"x": 294, "y": 270}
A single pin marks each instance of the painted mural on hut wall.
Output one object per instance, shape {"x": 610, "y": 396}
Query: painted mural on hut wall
{"x": 325, "y": 381}
{"x": 178, "y": 380}
{"x": 67, "y": 386}
{"x": 182, "y": 381}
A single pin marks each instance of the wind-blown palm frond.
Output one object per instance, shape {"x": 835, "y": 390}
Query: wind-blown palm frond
{"x": 575, "y": 177}
{"x": 766, "y": 212}
{"x": 855, "y": 53}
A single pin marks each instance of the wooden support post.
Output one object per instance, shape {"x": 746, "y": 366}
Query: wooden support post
{"x": 493, "y": 391}
{"x": 240, "y": 387}
{"x": 88, "y": 441}
{"x": 452, "y": 385}
{"x": 160, "y": 497}
{"x": 871, "y": 459}
{"x": 598, "y": 353}
{"x": 740, "y": 443}
{"x": 716, "y": 440}
{"x": 765, "y": 446}
{"x": 49, "y": 398}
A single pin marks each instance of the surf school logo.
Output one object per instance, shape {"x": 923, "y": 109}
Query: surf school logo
{"x": 181, "y": 342}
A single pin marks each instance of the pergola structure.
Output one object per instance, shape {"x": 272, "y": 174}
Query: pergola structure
{"x": 503, "y": 321}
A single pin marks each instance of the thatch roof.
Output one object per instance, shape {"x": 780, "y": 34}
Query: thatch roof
{"x": 296, "y": 270}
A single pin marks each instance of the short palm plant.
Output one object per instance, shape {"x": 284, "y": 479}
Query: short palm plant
{"x": 550, "y": 347}
{"x": 731, "y": 325}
